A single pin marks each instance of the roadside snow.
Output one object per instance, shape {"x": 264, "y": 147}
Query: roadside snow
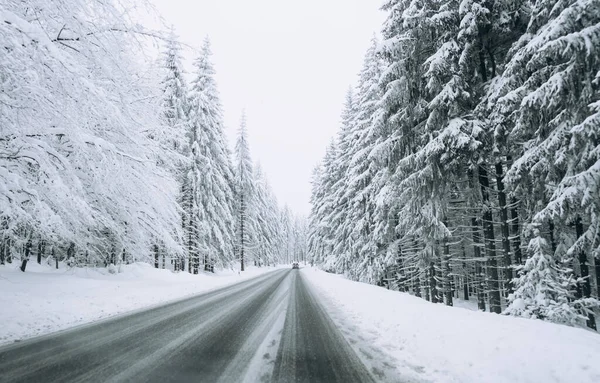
{"x": 44, "y": 299}
{"x": 404, "y": 338}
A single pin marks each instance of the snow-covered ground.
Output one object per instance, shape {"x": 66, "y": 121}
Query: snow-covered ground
{"x": 44, "y": 299}
{"x": 404, "y": 338}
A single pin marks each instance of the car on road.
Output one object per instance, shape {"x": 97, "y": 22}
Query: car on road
{"x": 295, "y": 265}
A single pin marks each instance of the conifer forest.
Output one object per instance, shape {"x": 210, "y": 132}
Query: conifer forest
{"x": 467, "y": 162}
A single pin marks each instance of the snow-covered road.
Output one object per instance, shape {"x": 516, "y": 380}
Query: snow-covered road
{"x": 282, "y": 325}
{"x": 268, "y": 328}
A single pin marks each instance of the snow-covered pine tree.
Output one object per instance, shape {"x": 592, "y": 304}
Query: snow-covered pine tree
{"x": 283, "y": 235}
{"x": 360, "y": 189}
{"x": 245, "y": 195}
{"x": 548, "y": 98}
{"x": 339, "y": 217}
{"x": 266, "y": 221}
{"x": 212, "y": 186}
{"x": 174, "y": 138}
{"x": 300, "y": 250}
{"x": 322, "y": 233}
{"x": 195, "y": 220}
{"x": 545, "y": 287}
{"x": 314, "y": 242}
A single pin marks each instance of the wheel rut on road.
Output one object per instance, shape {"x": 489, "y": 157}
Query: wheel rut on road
{"x": 312, "y": 349}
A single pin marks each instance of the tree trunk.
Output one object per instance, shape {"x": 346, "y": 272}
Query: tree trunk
{"x": 482, "y": 297}
{"x": 477, "y": 254}
{"x": 426, "y": 288}
{"x": 2, "y": 254}
{"x": 400, "y": 273}
{"x": 156, "y": 255}
{"x": 551, "y": 235}
{"x": 41, "y": 250}
{"x": 113, "y": 255}
{"x": 465, "y": 278}
{"x": 481, "y": 52}
{"x": 445, "y": 269}
{"x": 417, "y": 287}
{"x": 456, "y": 281}
{"x": 490, "y": 245}
{"x": 25, "y": 259}
{"x": 514, "y": 226}
{"x": 446, "y": 272}
{"x": 478, "y": 282}
{"x": 8, "y": 250}
{"x": 242, "y": 212}
{"x": 53, "y": 254}
{"x": 514, "y": 216}
{"x": 433, "y": 283}
{"x": 597, "y": 269}
{"x": 387, "y": 280}
{"x": 586, "y": 289}
{"x": 508, "y": 263}
{"x": 191, "y": 253}
{"x": 481, "y": 292}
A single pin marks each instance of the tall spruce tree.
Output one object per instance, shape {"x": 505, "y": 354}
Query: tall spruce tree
{"x": 212, "y": 181}
{"x": 173, "y": 135}
{"x": 266, "y": 222}
{"x": 338, "y": 216}
{"x": 245, "y": 195}
{"x": 362, "y": 166}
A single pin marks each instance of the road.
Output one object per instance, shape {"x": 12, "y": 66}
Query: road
{"x": 270, "y": 328}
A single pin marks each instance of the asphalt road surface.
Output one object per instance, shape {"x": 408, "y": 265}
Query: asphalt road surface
{"x": 268, "y": 329}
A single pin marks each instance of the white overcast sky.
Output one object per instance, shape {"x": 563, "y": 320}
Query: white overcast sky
{"x": 289, "y": 65}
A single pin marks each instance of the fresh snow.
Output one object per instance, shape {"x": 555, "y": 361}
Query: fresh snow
{"x": 405, "y": 338}
{"x": 43, "y": 299}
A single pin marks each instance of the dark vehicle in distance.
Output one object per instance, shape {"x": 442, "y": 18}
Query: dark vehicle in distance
{"x": 295, "y": 265}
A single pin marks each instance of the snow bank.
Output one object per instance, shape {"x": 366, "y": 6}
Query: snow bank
{"x": 44, "y": 299}
{"x": 404, "y": 338}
